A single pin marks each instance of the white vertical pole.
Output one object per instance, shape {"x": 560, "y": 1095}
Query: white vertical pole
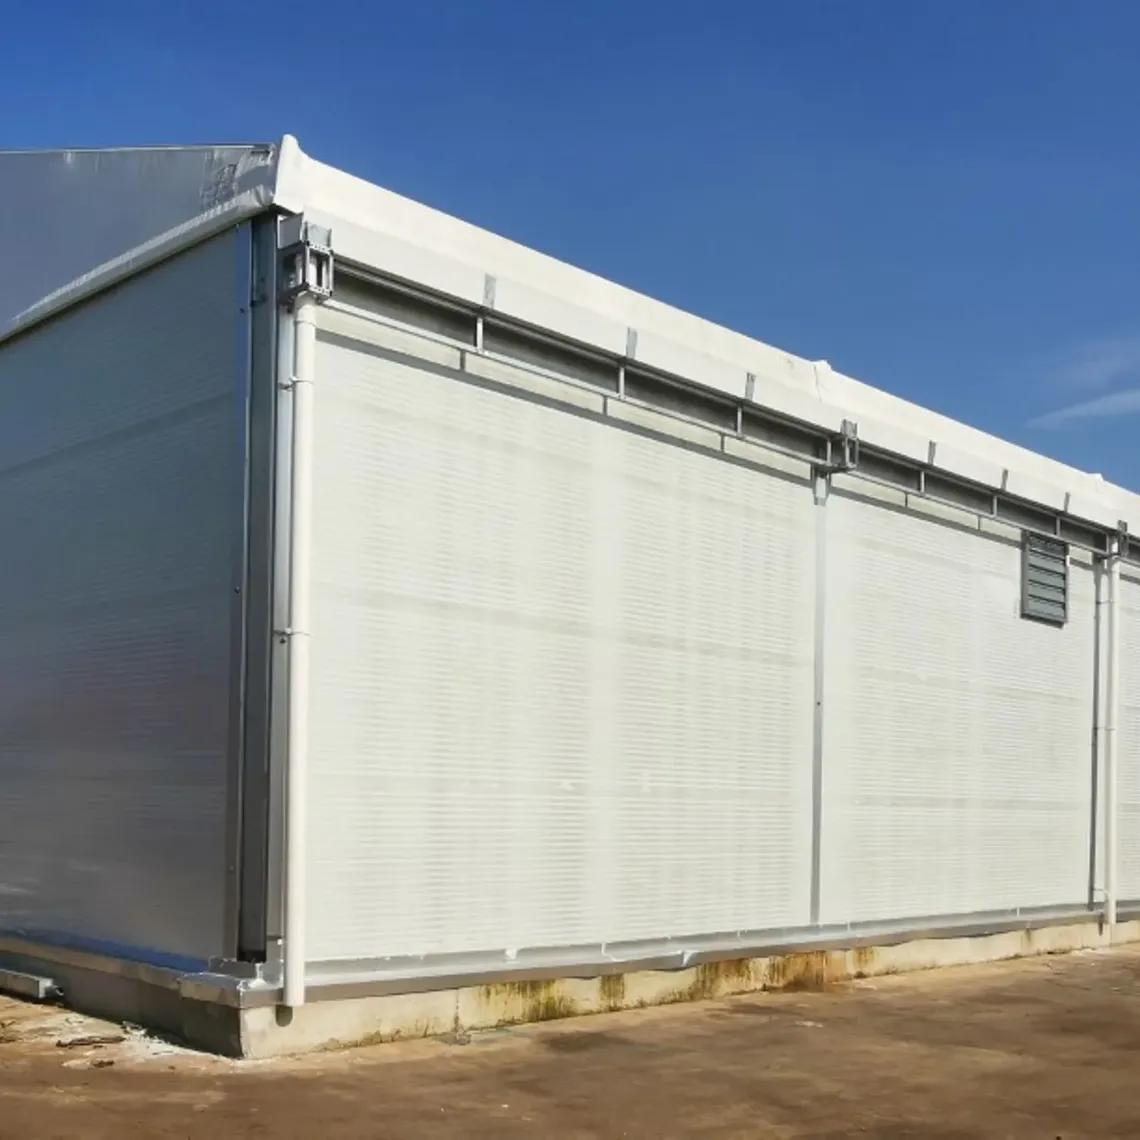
{"x": 1111, "y": 721}
{"x": 300, "y": 563}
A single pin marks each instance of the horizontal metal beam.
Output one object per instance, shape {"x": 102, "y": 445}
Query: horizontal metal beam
{"x": 751, "y": 421}
{"x": 245, "y": 986}
{"x": 375, "y": 978}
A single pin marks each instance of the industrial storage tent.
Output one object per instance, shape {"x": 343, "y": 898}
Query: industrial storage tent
{"x": 396, "y": 623}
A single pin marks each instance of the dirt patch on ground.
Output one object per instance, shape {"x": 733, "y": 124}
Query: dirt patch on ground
{"x": 1043, "y": 1048}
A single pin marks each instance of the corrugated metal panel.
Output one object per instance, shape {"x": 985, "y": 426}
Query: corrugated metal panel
{"x": 562, "y": 676}
{"x": 958, "y": 735}
{"x": 119, "y": 462}
{"x": 1128, "y": 772}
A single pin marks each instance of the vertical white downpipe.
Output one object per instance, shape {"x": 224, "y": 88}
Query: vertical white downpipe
{"x": 300, "y": 565}
{"x": 1111, "y": 722}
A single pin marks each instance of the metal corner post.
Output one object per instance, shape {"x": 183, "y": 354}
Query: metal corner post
{"x": 257, "y": 590}
{"x": 243, "y": 241}
{"x": 306, "y": 259}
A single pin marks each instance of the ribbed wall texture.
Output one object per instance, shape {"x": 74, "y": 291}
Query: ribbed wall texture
{"x": 1128, "y": 778}
{"x": 562, "y": 677}
{"x": 957, "y": 734}
{"x": 119, "y": 497}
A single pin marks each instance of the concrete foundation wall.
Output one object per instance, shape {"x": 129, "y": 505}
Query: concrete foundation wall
{"x": 270, "y": 1032}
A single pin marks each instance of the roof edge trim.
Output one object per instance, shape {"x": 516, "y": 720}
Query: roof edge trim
{"x": 142, "y": 257}
{"x": 399, "y": 238}
{"x": 238, "y": 191}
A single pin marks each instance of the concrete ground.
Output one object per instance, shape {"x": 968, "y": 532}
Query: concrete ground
{"x": 1041, "y": 1048}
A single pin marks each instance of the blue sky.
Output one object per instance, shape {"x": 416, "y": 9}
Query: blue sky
{"x": 938, "y": 197}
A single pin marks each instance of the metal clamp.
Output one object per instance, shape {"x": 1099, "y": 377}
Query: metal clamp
{"x": 306, "y": 260}
{"x": 1117, "y": 545}
{"x": 842, "y": 451}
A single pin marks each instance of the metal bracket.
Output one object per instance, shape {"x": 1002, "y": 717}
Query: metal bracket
{"x": 842, "y": 451}
{"x": 306, "y": 260}
{"x": 1117, "y": 545}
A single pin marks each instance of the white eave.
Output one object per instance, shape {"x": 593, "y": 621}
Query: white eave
{"x": 378, "y": 230}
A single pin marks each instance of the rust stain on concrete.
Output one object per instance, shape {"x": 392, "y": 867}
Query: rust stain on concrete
{"x": 611, "y": 990}
{"x": 527, "y": 1001}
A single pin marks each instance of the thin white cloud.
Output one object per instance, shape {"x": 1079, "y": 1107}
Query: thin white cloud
{"x": 1100, "y": 363}
{"x": 1123, "y": 403}
{"x": 1096, "y": 365}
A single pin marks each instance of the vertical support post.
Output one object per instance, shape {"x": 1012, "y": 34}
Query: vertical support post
{"x": 254, "y": 719}
{"x": 1096, "y": 748}
{"x": 630, "y": 354}
{"x": 1111, "y": 734}
{"x": 299, "y": 632}
{"x": 306, "y": 280}
{"x": 236, "y": 761}
{"x": 820, "y": 488}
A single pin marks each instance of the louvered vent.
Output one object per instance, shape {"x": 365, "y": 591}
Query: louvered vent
{"x": 1045, "y": 580}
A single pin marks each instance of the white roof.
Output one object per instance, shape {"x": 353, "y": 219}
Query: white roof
{"x": 73, "y": 221}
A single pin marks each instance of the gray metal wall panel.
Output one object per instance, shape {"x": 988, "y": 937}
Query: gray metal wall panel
{"x": 957, "y": 735}
{"x": 69, "y": 212}
{"x": 120, "y": 459}
{"x": 562, "y": 676}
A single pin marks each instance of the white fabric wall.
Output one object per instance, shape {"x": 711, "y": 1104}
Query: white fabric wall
{"x": 1128, "y": 773}
{"x": 563, "y": 684}
{"x": 957, "y": 737}
{"x": 562, "y": 676}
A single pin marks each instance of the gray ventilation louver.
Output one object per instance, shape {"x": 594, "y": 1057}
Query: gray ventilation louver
{"x": 1045, "y": 580}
